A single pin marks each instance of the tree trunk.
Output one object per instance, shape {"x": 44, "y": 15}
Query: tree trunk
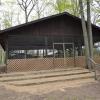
{"x": 26, "y": 16}
{"x": 89, "y": 29}
{"x": 84, "y": 33}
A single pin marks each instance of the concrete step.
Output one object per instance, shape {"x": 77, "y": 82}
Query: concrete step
{"x": 51, "y": 79}
{"x": 44, "y": 75}
{"x": 14, "y": 74}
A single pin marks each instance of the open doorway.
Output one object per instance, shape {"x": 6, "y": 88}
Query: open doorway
{"x": 64, "y": 55}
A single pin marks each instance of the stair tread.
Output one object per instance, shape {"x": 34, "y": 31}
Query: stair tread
{"x": 54, "y": 74}
{"x": 14, "y": 74}
{"x": 50, "y": 79}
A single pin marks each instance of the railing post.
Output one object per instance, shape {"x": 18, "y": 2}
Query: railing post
{"x": 95, "y": 75}
{"x": 95, "y": 65}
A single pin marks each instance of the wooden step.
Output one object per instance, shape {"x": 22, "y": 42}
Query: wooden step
{"x": 14, "y": 74}
{"x": 51, "y": 79}
{"x": 43, "y": 75}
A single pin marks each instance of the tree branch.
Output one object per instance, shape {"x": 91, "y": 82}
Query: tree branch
{"x": 35, "y": 1}
{"x": 29, "y": 3}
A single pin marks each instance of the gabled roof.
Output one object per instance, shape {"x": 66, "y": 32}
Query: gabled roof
{"x": 44, "y": 19}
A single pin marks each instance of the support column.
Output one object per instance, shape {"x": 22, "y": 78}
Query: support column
{"x": 6, "y": 55}
{"x": 43, "y": 53}
{"x": 25, "y": 51}
{"x": 79, "y": 51}
{"x": 74, "y": 54}
{"x": 37, "y": 53}
{"x": 46, "y": 44}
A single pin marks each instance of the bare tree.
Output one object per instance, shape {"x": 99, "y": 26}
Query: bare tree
{"x": 8, "y": 14}
{"x": 27, "y": 6}
{"x": 7, "y": 20}
{"x": 84, "y": 33}
{"x": 40, "y": 7}
{"x": 95, "y": 7}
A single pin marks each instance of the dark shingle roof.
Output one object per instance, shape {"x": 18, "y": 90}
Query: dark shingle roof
{"x": 43, "y": 19}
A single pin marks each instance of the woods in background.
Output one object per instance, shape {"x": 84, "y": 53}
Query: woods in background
{"x": 15, "y": 12}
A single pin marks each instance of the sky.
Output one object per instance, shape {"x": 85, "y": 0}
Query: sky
{"x": 18, "y": 12}
{"x": 5, "y": 7}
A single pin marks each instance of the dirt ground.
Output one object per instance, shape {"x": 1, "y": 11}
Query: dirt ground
{"x": 75, "y": 90}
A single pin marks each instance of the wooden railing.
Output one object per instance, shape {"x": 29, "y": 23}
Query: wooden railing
{"x": 95, "y": 66}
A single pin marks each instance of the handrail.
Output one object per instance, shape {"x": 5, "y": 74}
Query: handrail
{"x": 92, "y": 60}
{"x": 96, "y": 65}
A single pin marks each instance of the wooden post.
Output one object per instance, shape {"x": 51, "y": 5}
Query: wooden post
{"x": 37, "y": 53}
{"x": 46, "y": 44}
{"x": 25, "y": 51}
{"x": 64, "y": 54}
{"x": 6, "y": 55}
{"x": 73, "y": 46}
{"x": 79, "y": 50}
{"x": 43, "y": 53}
{"x": 53, "y": 56}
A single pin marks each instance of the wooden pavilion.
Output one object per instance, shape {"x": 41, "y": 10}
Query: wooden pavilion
{"x": 47, "y": 43}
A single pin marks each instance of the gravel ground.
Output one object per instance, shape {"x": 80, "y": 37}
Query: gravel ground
{"x": 76, "y": 90}
{"x": 6, "y": 94}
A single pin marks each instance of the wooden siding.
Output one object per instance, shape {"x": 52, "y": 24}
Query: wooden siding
{"x": 33, "y": 35}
